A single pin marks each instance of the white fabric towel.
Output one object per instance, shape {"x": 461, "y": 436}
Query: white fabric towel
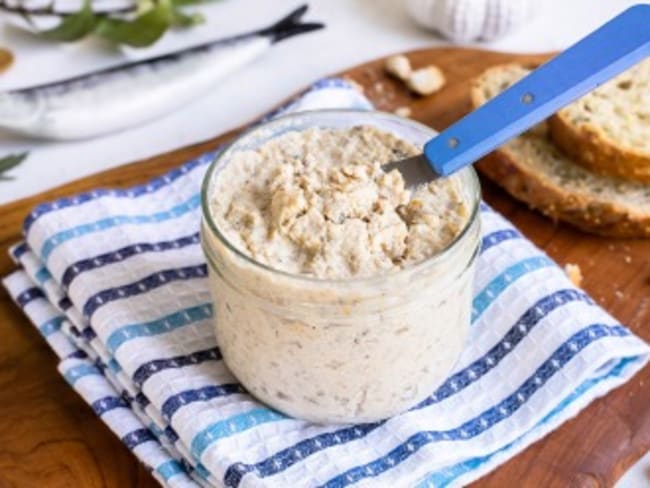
{"x": 116, "y": 283}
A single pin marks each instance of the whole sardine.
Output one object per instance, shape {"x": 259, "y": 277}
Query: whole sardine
{"x": 116, "y": 98}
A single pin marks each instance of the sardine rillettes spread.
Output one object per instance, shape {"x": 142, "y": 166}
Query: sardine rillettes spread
{"x": 332, "y": 327}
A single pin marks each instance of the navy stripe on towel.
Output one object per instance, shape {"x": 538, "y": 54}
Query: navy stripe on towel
{"x": 78, "y": 353}
{"x": 88, "y": 334}
{"x": 123, "y": 253}
{"x": 142, "y": 400}
{"x": 173, "y": 403}
{"x": 65, "y": 304}
{"x": 144, "y": 285}
{"x": 28, "y": 295}
{"x": 137, "y": 437}
{"x": 288, "y": 457}
{"x": 497, "y": 237}
{"x": 171, "y": 434}
{"x": 147, "y": 370}
{"x": 108, "y": 403}
{"x": 19, "y": 250}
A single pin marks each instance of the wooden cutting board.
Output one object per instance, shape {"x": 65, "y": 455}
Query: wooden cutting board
{"x": 50, "y": 437}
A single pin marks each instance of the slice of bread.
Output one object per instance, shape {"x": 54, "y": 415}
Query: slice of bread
{"x": 531, "y": 168}
{"x": 608, "y": 130}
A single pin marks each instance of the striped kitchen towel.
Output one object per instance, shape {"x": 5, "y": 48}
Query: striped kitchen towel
{"x": 115, "y": 281}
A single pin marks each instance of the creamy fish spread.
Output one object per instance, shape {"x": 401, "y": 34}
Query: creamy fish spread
{"x": 318, "y": 203}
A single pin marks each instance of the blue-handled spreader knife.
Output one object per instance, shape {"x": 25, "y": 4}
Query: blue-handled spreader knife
{"x": 616, "y": 46}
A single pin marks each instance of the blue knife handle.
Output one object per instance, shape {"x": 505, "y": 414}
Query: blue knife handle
{"x": 616, "y": 46}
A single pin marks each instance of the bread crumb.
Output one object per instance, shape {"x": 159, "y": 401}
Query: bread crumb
{"x": 628, "y": 259}
{"x": 619, "y": 294}
{"x": 574, "y": 273}
{"x": 426, "y": 81}
{"x": 403, "y": 111}
{"x": 399, "y": 66}
{"x": 6, "y": 59}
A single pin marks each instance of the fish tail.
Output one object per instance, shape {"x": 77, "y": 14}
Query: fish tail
{"x": 290, "y": 26}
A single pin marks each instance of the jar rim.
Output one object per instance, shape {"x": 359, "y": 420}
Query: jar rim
{"x": 222, "y": 158}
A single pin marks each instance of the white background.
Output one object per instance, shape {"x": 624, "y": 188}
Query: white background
{"x": 357, "y": 31}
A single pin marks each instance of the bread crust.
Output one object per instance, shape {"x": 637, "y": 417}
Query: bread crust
{"x": 589, "y": 146}
{"x": 597, "y": 216}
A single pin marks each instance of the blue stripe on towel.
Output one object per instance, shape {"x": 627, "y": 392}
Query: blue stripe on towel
{"x": 156, "y": 430}
{"x": 79, "y": 371}
{"x": 169, "y": 468}
{"x": 489, "y": 417}
{"x": 144, "y": 285}
{"x": 493, "y": 289}
{"x": 28, "y": 295}
{"x": 202, "y": 471}
{"x": 60, "y": 237}
{"x": 444, "y": 477}
{"x": 51, "y": 326}
{"x": 454, "y": 384}
{"x": 175, "y": 402}
{"x": 231, "y": 426}
{"x": 147, "y": 370}
{"x": 159, "y": 326}
{"x": 42, "y": 275}
{"x": 123, "y": 253}
{"x": 113, "y": 366}
{"x": 133, "y": 192}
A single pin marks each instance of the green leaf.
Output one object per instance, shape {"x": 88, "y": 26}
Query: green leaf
{"x": 9, "y": 162}
{"x": 74, "y": 26}
{"x": 182, "y": 19}
{"x": 142, "y": 31}
{"x": 183, "y": 3}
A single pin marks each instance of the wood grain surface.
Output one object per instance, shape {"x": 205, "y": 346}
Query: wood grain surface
{"x": 50, "y": 438}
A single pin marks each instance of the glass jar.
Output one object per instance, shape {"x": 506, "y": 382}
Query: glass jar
{"x": 353, "y": 350}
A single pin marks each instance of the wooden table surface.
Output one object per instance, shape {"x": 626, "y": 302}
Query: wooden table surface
{"x": 50, "y": 438}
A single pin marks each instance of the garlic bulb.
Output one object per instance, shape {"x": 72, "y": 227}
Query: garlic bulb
{"x": 469, "y": 20}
